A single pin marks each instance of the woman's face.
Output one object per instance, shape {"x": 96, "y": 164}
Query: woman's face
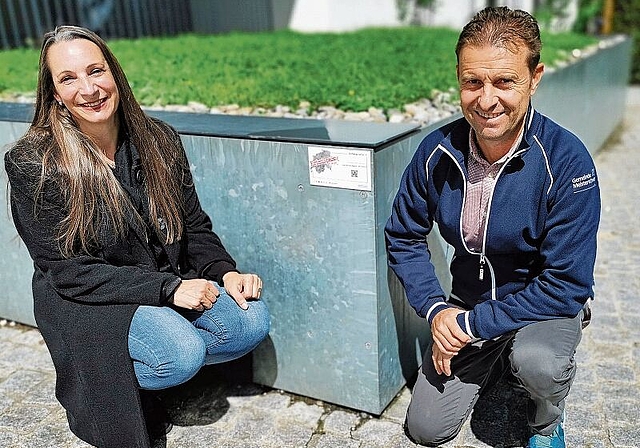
{"x": 84, "y": 83}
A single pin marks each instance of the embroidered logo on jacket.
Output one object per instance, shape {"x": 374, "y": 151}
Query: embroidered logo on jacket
{"x": 584, "y": 182}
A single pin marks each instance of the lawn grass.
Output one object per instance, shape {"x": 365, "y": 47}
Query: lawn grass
{"x": 384, "y": 68}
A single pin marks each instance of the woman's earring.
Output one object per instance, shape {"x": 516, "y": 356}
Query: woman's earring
{"x": 60, "y": 103}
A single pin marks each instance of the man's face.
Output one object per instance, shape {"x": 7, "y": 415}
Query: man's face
{"x": 495, "y": 88}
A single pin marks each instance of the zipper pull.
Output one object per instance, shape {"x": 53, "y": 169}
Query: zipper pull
{"x": 481, "y": 274}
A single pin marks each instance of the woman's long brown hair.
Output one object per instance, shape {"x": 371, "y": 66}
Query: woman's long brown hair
{"x": 94, "y": 200}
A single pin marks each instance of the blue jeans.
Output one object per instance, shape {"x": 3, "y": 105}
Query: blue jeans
{"x": 169, "y": 347}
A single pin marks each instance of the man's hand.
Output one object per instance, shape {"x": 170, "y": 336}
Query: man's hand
{"x": 242, "y": 287}
{"x": 448, "y": 337}
{"x": 441, "y": 362}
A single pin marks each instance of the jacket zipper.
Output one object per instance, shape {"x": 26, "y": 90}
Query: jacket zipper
{"x": 483, "y": 258}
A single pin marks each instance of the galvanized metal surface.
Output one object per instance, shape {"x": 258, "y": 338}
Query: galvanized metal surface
{"x": 294, "y": 130}
{"x": 588, "y": 97}
{"x": 334, "y": 334}
{"x": 337, "y": 332}
{"x": 16, "y": 267}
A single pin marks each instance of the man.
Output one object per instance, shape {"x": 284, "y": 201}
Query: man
{"x": 517, "y": 197}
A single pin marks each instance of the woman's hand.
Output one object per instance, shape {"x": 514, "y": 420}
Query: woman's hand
{"x": 197, "y": 294}
{"x": 242, "y": 287}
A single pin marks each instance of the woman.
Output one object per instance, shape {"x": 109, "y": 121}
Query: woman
{"x": 128, "y": 273}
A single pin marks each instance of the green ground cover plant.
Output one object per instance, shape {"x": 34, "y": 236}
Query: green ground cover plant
{"x": 384, "y": 68}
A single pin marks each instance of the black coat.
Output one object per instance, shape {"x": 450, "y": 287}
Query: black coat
{"x": 84, "y": 305}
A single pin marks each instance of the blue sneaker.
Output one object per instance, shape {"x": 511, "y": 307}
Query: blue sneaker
{"x": 555, "y": 440}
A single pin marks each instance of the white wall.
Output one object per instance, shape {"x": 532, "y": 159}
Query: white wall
{"x": 342, "y": 15}
{"x": 349, "y": 15}
{"x": 448, "y": 13}
{"x": 456, "y": 13}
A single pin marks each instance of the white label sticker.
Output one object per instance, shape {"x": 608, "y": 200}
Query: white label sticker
{"x": 340, "y": 168}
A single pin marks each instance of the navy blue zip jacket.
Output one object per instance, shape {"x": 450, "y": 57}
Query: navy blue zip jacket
{"x": 539, "y": 246}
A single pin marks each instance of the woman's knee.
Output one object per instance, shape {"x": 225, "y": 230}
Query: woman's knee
{"x": 165, "y": 348}
{"x": 249, "y": 327}
{"x": 259, "y": 321}
{"x": 188, "y": 357}
{"x": 179, "y": 361}
{"x": 231, "y": 332}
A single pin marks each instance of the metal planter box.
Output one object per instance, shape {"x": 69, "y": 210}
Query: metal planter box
{"x": 303, "y": 203}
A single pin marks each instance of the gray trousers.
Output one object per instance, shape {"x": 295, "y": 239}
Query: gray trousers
{"x": 539, "y": 355}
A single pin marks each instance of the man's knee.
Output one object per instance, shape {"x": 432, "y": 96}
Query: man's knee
{"x": 541, "y": 372}
{"x": 427, "y": 432}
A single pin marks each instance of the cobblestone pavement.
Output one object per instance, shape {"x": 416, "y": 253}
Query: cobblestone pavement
{"x": 220, "y": 408}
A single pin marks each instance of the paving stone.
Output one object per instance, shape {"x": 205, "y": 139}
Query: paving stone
{"x": 10, "y": 439}
{"x": 636, "y": 357}
{"x": 302, "y": 413}
{"x": 628, "y": 436}
{"x": 333, "y": 441}
{"x": 23, "y": 382}
{"x": 609, "y": 355}
{"x": 617, "y": 372}
{"x": 340, "y": 422}
{"x": 43, "y": 394}
{"x": 51, "y": 436}
{"x": 622, "y": 411}
{"x": 263, "y": 401}
{"x": 197, "y": 437}
{"x": 588, "y": 439}
{"x": 7, "y": 333}
{"x": 24, "y": 356}
{"x": 287, "y": 433}
{"x": 32, "y": 338}
{"x": 256, "y": 427}
{"x": 613, "y": 392}
{"x": 378, "y": 433}
{"x": 23, "y": 419}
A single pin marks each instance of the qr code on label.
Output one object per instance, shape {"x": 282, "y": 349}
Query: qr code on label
{"x": 354, "y": 173}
